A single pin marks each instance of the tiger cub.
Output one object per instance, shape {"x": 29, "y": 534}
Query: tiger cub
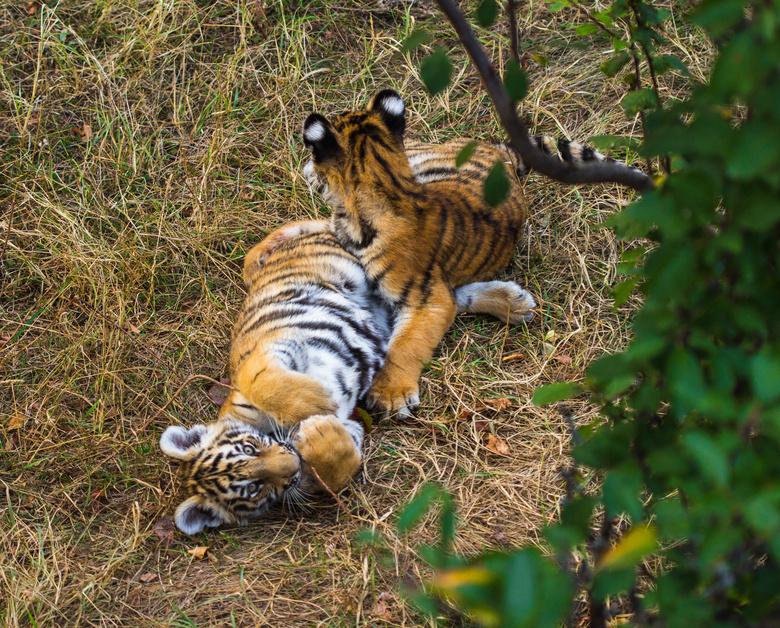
{"x": 311, "y": 335}
{"x": 420, "y": 239}
{"x": 308, "y": 340}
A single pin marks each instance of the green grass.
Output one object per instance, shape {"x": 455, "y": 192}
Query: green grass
{"x": 147, "y": 145}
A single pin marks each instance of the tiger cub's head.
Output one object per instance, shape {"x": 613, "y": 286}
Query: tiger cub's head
{"x": 231, "y": 471}
{"x": 347, "y": 148}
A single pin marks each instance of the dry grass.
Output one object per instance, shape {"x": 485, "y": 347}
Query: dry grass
{"x": 146, "y": 145}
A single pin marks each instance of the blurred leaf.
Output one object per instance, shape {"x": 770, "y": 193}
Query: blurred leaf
{"x": 637, "y": 543}
{"x": 756, "y": 151}
{"x": 709, "y": 456}
{"x": 417, "y": 38}
{"x": 487, "y": 11}
{"x": 621, "y": 493}
{"x": 465, "y": 153}
{"x": 586, "y": 29}
{"x": 639, "y": 100}
{"x": 16, "y": 422}
{"x": 557, "y": 6}
{"x": 609, "y": 142}
{"x": 615, "y": 64}
{"x": 540, "y": 59}
{"x": 436, "y": 71}
{"x": 555, "y": 392}
{"x": 515, "y": 81}
{"x": 623, "y": 290}
{"x": 717, "y": 16}
{"x": 664, "y": 63}
{"x": 766, "y": 375}
{"x": 416, "y": 509}
{"x": 496, "y": 186}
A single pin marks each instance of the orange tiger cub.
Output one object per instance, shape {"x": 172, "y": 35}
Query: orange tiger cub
{"x": 418, "y": 240}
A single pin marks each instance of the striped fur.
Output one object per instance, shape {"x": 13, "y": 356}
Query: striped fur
{"x": 307, "y": 343}
{"x": 420, "y": 228}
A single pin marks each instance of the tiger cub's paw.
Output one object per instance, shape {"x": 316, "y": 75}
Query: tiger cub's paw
{"x": 393, "y": 398}
{"x": 520, "y": 304}
{"x": 325, "y": 445}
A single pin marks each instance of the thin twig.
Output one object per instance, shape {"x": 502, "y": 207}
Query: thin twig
{"x": 176, "y": 394}
{"x": 327, "y": 488}
{"x": 518, "y": 135}
{"x": 514, "y": 39}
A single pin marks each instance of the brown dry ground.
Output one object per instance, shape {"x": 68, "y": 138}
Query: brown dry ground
{"x": 146, "y": 146}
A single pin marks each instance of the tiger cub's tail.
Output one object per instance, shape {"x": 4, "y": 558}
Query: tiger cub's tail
{"x": 567, "y": 151}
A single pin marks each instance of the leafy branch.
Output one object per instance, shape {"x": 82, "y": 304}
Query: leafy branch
{"x": 518, "y": 135}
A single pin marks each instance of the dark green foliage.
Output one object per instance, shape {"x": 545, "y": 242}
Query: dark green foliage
{"x": 436, "y": 71}
{"x": 496, "y": 185}
{"x": 515, "y": 81}
{"x": 691, "y": 432}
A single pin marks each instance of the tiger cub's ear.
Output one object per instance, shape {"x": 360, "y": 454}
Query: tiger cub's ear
{"x": 392, "y": 109}
{"x": 181, "y": 443}
{"x": 194, "y": 514}
{"x": 319, "y": 138}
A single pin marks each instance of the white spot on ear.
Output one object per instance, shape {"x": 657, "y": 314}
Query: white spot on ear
{"x": 314, "y": 132}
{"x": 193, "y": 515}
{"x": 393, "y": 105}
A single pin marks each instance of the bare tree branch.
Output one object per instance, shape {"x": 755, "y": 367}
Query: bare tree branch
{"x": 518, "y": 135}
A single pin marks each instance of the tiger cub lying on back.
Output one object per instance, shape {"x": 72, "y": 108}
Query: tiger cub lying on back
{"x": 418, "y": 238}
{"x": 308, "y": 340}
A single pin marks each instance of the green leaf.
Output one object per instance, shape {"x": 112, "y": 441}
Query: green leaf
{"x": 496, "y": 186}
{"x": 639, "y": 100}
{"x": 487, "y": 11}
{"x": 709, "y": 456}
{"x": 575, "y": 516}
{"x": 465, "y": 153}
{"x": 755, "y": 152}
{"x": 417, "y": 38}
{"x": 555, "y": 392}
{"x": 586, "y": 29}
{"x": 766, "y": 376}
{"x": 416, "y": 509}
{"x": 515, "y": 81}
{"x": 717, "y": 16}
{"x": 615, "y": 64}
{"x": 664, "y": 63}
{"x": 621, "y": 492}
{"x": 623, "y": 290}
{"x": 609, "y": 142}
{"x": 436, "y": 71}
{"x": 557, "y": 6}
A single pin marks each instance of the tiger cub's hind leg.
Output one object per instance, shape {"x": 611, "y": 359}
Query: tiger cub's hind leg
{"x": 505, "y": 300}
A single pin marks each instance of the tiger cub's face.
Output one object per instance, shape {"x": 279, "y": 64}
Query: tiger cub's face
{"x": 232, "y": 471}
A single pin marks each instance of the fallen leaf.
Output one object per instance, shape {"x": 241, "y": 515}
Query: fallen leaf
{"x": 132, "y": 328}
{"x": 164, "y": 530}
{"x": 381, "y": 609}
{"x": 547, "y": 349}
{"x": 481, "y": 426}
{"x": 551, "y": 336}
{"x": 33, "y": 6}
{"x": 98, "y": 495}
{"x": 87, "y": 132}
{"x": 199, "y": 552}
{"x": 35, "y": 405}
{"x": 513, "y": 356}
{"x": 497, "y": 445}
{"x": 563, "y": 359}
{"x": 16, "y": 422}
{"x": 218, "y": 394}
{"x": 502, "y": 403}
{"x": 499, "y": 536}
{"x": 147, "y": 577}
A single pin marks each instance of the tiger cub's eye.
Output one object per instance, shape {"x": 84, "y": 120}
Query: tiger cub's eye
{"x": 249, "y": 450}
{"x": 253, "y": 488}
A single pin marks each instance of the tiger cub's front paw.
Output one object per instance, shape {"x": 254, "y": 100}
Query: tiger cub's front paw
{"x": 393, "y": 396}
{"x": 325, "y": 445}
